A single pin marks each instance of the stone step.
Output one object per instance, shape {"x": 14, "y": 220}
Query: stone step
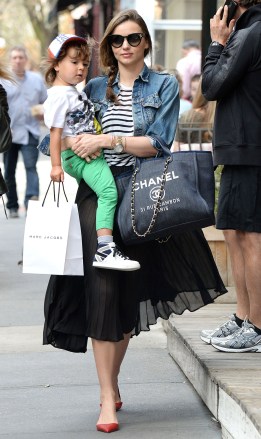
{"x": 228, "y": 383}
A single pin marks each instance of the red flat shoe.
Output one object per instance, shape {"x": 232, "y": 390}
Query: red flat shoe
{"x": 108, "y": 428}
{"x": 118, "y": 405}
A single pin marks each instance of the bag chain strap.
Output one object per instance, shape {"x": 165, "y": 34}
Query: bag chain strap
{"x": 157, "y": 205}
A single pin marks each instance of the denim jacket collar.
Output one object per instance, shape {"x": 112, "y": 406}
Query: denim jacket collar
{"x": 144, "y": 75}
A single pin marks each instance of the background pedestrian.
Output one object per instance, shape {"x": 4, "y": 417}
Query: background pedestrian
{"x": 24, "y": 96}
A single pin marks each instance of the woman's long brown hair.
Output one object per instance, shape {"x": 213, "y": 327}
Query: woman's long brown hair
{"x": 4, "y": 73}
{"x": 207, "y": 107}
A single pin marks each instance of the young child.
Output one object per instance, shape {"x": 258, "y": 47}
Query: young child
{"x": 68, "y": 112}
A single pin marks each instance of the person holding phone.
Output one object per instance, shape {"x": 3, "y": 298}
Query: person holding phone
{"x": 231, "y": 76}
{"x": 231, "y": 10}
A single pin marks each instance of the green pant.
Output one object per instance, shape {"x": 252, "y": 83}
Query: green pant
{"x": 98, "y": 176}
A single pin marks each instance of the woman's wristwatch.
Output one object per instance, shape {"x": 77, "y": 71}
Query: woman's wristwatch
{"x": 117, "y": 144}
{"x": 216, "y": 43}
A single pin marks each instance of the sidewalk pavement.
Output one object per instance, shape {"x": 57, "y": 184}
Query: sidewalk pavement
{"x": 47, "y": 393}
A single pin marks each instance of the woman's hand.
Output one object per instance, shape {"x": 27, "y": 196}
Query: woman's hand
{"x": 88, "y": 146}
{"x": 218, "y": 28}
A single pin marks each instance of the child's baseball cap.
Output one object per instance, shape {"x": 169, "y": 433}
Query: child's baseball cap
{"x": 57, "y": 44}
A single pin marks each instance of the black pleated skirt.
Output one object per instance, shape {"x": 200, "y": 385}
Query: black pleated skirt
{"x": 175, "y": 276}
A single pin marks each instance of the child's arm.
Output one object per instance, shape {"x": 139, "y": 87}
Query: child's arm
{"x": 57, "y": 173}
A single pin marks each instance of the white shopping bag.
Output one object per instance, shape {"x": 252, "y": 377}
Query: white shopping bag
{"x": 52, "y": 240}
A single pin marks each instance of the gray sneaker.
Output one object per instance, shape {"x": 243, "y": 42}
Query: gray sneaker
{"x": 228, "y": 328}
{"x": 13, "y": 213}
{"x": 244, "y": 340}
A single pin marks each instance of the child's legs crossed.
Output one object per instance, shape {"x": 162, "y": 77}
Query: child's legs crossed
{"x": 98, "y": 176}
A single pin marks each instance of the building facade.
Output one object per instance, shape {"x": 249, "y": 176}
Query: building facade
{"x": 170, "y": 22}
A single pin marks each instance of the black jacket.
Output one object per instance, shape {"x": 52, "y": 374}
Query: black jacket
{"x": 232, "y": 77}
{"x": 5, "y": 130}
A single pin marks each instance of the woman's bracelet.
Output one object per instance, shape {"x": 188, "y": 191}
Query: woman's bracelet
{"x": 112, "y": 141}
{"x": 124, "y": 143}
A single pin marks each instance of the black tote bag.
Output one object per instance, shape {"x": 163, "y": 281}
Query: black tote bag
{"x": 166, "y": 195}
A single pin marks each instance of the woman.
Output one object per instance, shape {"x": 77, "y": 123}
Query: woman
{"x": 138, "y": 110}
{"x": 195, "y": 125}
{"x": 185, "y": 104}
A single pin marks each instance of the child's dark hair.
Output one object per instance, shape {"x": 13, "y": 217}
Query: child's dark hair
{"x": 82, "y": 51}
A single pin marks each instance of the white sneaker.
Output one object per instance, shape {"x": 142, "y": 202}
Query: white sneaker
{"x": 244, "y": 340}
{"x": 110, "y": 257}
{"x": 228, "y": 328}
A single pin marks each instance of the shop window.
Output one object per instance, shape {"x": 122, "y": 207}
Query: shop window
{"x": 177, "y": 10}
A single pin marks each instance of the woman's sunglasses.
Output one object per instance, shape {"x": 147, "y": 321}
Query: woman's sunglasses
{"x": 133, "y": 39}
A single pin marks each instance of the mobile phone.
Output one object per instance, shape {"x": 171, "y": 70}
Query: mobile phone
{"x": 232, "y": 7}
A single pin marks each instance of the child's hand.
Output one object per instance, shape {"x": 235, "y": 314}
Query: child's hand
{"x": 57, "y": 173}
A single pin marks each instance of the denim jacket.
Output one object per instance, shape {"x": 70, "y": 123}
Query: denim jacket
{"x": 155, "y": 104}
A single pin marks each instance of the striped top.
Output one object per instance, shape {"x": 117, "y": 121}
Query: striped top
{"x": 118, "y": 120}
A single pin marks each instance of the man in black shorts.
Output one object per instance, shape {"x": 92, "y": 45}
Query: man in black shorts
{"x": 232, "y": 77}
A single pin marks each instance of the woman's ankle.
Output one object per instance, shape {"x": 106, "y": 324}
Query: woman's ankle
{"x": 108, "y": 396}
{"x": 108, "y": 411}
{"x": 116, "y": 390}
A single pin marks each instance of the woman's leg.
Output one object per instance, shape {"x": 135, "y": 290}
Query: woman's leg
{"x": 108, "y": 358}
{"x": 104, "y": 354}
{"x": 120, "y": 353}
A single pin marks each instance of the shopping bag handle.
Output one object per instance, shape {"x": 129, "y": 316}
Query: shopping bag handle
{"x": 1, "y": 196}
{"x": 58, "y": 197}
